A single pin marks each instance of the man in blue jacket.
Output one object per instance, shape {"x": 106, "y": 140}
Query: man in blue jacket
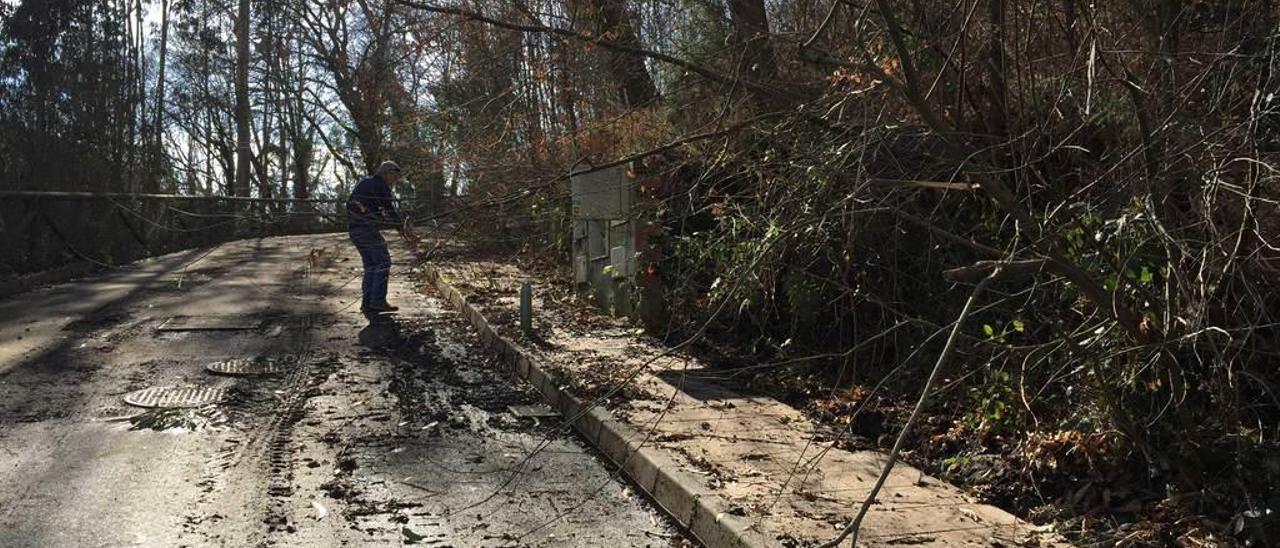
{"x": 370, "y": 209}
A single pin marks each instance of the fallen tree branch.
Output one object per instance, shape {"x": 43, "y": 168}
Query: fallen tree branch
{"x": 1113, "y": 305}
{"x": 912, "y": 84}
{"x": 958, "y": 186}
{"x": 924, "y": 223}
{"x": 977, "y": 271}
{"x": 518, "y": 195}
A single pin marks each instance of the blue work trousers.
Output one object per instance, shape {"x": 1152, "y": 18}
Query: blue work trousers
{"x": 377, "y": 264}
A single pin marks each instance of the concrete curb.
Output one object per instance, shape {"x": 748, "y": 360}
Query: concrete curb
{"x": 680, "y": 494}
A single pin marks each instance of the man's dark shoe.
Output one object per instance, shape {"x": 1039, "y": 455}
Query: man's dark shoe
{"x": 380, "y": 307}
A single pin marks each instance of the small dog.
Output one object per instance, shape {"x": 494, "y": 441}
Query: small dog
{"x": 317, "y": 257}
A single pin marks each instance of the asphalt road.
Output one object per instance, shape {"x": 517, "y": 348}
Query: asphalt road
{"x": 369, "y": 436}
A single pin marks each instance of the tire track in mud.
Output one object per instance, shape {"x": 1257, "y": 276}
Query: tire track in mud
{"x": 276, "y": 457}
{"x": 254, "y": 471}
{"x": 300, "y": 385}
{"x": 266, "y": 411}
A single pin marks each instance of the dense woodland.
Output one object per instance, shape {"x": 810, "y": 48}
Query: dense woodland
{"x": 832, "y": 179}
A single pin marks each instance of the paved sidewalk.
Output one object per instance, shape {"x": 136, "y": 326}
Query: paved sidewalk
{"x": 767, "y": 463}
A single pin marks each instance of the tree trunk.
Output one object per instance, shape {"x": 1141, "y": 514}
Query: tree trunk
{"x": 629, "y": 71}
{"x": 759, "y": 63}
{"x": 241, "y": 186}
{"x": 128, "y": 102}
{"x": 998, "y": 67}
{"x": 302, "y": 154}
{"x": 158, "y": 148}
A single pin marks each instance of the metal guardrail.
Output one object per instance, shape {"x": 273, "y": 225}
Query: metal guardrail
{"x": 45, "y": 230}
{"x": 72, "y": 195}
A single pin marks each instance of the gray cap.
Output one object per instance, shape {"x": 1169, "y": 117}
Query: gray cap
{"x": 387, "y": 167}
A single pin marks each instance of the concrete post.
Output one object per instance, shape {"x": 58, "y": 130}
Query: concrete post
{"x": 526, "y": 308}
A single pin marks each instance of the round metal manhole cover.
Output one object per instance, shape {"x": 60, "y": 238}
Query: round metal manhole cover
{"x": 261, "y": 365}
{"x": 170, "y": 396}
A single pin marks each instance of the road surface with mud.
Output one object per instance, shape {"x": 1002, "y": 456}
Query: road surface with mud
{"x": 357, "y": 436}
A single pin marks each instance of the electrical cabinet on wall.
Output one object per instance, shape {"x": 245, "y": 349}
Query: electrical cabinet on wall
{"x": 604, "y": 250}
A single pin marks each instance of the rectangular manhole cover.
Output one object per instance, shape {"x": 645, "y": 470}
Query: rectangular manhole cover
{"x": 210, "y": 323}
{"x": 533, "y": 411}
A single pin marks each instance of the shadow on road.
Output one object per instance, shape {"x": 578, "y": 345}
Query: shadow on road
{"x": 382, "y": 332}
{"x": 56, "y": 382}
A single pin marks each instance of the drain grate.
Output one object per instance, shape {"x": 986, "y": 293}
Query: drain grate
{"x": 261, "y": 365}
{"x": 170, "y": 396}
{"x": 210, "y": 323}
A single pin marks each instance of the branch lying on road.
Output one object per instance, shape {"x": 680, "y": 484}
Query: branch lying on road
{"x": 677, "y": 143}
